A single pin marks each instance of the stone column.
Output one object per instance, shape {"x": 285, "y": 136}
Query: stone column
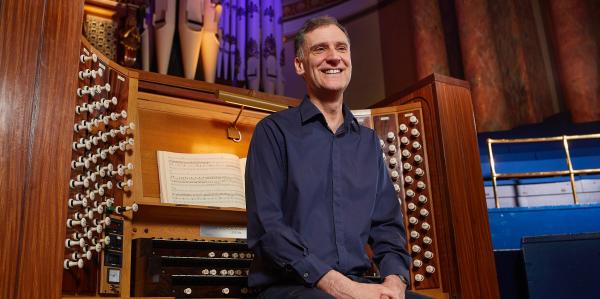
{"x": 577, "y": 57}
{"x": 481, "y": 65}
{"x": 428, "y": 34}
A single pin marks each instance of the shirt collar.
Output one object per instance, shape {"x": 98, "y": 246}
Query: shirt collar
{"x": 308, "y": 111}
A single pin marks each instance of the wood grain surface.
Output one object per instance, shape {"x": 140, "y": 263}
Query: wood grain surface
{"x": 20, "y": 28}
{"x": 38, "y": 49}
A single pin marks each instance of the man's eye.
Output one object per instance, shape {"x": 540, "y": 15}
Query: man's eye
{"x": 342, "y": 49}
{"x": 319, "y": 50}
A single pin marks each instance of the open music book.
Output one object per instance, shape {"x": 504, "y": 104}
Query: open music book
{"x": 215, "y": 180}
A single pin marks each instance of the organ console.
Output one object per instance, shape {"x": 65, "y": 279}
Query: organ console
{"x": 122, "y": 241}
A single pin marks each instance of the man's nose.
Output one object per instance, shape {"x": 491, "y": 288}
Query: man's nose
{"x": 333, "y": 57}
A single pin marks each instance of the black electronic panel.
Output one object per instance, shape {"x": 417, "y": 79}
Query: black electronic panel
{"x": 563, "y": 266}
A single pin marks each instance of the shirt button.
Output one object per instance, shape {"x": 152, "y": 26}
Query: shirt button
{"x": 305, "y": 275}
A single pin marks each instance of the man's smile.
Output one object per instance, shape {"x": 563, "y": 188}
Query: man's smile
{"x": 332, "y": 71}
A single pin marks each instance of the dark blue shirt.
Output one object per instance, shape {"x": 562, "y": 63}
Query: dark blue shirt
{"x": 314, "y": 200}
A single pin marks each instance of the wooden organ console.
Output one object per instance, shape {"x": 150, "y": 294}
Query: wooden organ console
{"x": 429, "y": 140}
{"x": 121, "y": 241}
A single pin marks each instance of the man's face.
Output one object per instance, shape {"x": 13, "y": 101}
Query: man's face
{"x": 326, "y": 65}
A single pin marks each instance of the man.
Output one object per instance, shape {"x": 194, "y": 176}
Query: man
{"x": 317, "y": 189}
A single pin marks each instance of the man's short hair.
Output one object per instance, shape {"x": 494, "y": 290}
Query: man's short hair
{"x": 312, "y": 24}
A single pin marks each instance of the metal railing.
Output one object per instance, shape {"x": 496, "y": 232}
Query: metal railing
{"x": 570, "y": 171}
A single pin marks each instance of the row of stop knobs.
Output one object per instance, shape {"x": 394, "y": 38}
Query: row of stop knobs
{"x": 416, "y": 200}
{"x": 92, "y": 204}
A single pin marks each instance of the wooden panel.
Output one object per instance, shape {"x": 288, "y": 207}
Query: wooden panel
{"x": 32, "y": 50}
{"x": 21, "y": 24}
{"x": 186, "y": 127}
{"x": 43, "y": 224}
{"x": 187, "y": 88}
{"x": 462, "y": 154}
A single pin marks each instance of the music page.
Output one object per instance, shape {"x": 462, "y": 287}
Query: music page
{"x": 201, "y": 179}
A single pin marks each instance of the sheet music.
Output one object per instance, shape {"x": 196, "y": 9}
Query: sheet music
{"x": 201, "y": 179}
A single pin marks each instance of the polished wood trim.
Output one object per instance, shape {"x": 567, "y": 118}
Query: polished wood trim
{"x": 21, "y": 27}
{"x": 422, "y": 83}
{"x": 52, "y": 122}
{"x": 199, "y": 90}
{"x": 153, "y": 211}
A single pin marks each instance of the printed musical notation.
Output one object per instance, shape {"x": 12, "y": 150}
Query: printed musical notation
{"x": 202, "y": 179}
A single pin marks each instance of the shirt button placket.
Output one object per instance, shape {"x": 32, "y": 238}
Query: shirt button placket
{"x": 337, "y": 208}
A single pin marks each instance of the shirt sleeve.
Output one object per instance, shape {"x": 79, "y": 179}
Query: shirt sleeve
{"x": 387, "y": 235}
{"x": 265, "y": 188}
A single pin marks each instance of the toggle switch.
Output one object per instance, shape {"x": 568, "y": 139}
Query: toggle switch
{"x": 125, "y": 185}
{"x": 105, "y": 241}
{"x": 74, "y": 184}
{"x": 78, "y": 255}
{"x": 416, "y": 145}
{"x": 411, "y": 206}
{"x": 395, "y": 175}
{"x": 391, "y": 149}
{"x": 418, "y": 159}
{"x": 105, "y": 221}
{"x": 83, "y": 58}
{"x": 428, "y": 255}
{"x": 417, "y": 263}
{"x": 419, "y": 172}
{"x": 413, "y": 120}
{"x": 68, "y": 264}
{"x": 116, "y": 116}
{"x": 126, "y": 144}
{"x": 404, "y": 140}
{"x": 72, "y": 203}
{"x": 391, "y": 136}
{"x": 73, "y": 223}
{"x": 100, "y": 88}
{"x": 393, "y": 162}
{"x": 72, "y": 243}
{"x": 406, "y": 154}
{"x": 415, "y": 133}
{"x": 403, "y": 128}
{"x": 414, "y": 234}
{"x": 120, "y": 210}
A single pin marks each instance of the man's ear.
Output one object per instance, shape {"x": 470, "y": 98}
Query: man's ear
{"x": 299, "y": 66}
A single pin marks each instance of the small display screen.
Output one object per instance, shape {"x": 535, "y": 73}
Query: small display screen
{"x": 114, "y": 275}
{"x": 112, "y": 258}
{"x": 115, "y": 227}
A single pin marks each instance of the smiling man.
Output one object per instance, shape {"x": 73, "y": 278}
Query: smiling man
{"x": 317, "y": 190}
